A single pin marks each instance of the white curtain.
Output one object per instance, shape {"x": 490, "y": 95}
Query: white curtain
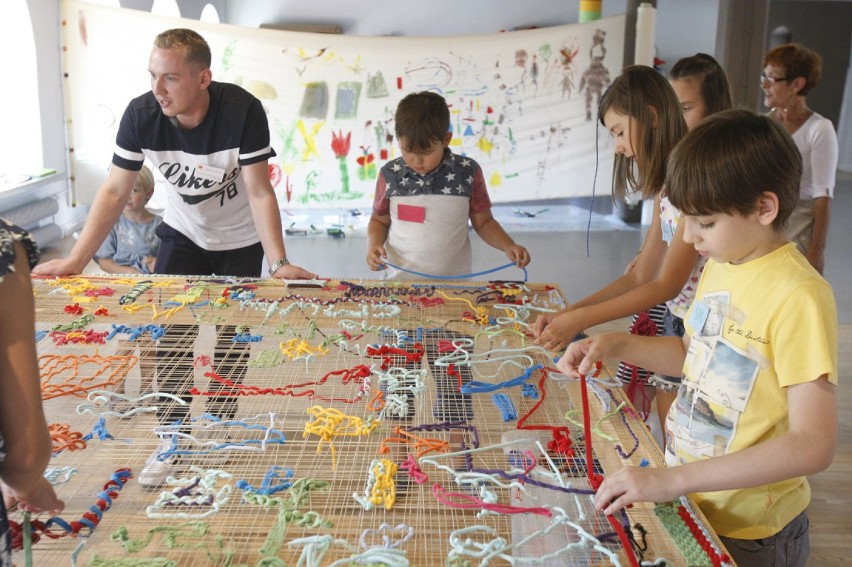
{"x": 523, "y": 103}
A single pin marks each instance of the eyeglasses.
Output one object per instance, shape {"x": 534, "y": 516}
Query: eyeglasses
{"x": 772, "y": 80}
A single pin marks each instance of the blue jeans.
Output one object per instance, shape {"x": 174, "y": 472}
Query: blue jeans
{"x": 788, "y": 548}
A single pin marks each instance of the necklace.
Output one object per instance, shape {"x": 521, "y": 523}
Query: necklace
{"x": 791, "y": 117}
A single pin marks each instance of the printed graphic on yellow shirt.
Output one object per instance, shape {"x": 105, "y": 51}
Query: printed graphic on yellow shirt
{"x": 718, "y": 381}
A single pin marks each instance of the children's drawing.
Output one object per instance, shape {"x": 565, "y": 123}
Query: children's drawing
{"x": 346, "y": 106}
{"x": 340, "y": 145}
{"x": 511, "y": 96}
{"x": 596, "y": 78}
{"x": 315, "y": 101}
{"x": 376, "y": 86}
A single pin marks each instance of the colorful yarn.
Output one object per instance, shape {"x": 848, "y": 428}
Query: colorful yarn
{"x": 357, "y": 375}
{"x": 198, "y": 494}
{"x": 56, "y": 527}
{"x": 74, "y": 309}
{"x": 470, "y": 542}
{"x": 355, "y": 291}
{"x": 101, "y": 292}
{"x": 247, "y": 338}
{"x": 156, "y": 331}
{"x": 87, "y": 337}
{"x": 381, "y": 485}
{"x": 387, "y": 532}
{"x": 98, "y": 561}
{"x": 295, "y": 348}
{"x": 458, "y": 276}
{"x": 207, "y": 423}
{"x": 414, "y": 470}
{"x": 77, "y": 379}
{"x": 193, "y": 531}
{"x": 560, "y": 442}
{"x": 468, "y": 502}
{"x": 690, "y": 540}
{"x": 57, "y": 476}
{"x": 75, "y": 325}
{"x": 422, "y": 445}
{"x": 476, "y": 387}
{"x": 330, "y": 423}
{"x": 134, "y": 293}
{"x": 288, "y": 512}
{"x": 62, "y": 438}
{"x": 506, "y": 407}
{"x": 266, "y": 487}
{"x": 100, "y": 430}
{"x": 595, "y": 479}
{"x": 388, "y": 353}
{"x": 529, "y": 391}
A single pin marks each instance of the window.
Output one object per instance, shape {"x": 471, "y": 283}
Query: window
{"x": 209, "y": 14}
{"x": 166, "y": 8}
{"x": 20, "y": 144}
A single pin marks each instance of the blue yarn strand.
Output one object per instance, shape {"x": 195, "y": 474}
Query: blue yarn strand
{"x": 458, "y": 277}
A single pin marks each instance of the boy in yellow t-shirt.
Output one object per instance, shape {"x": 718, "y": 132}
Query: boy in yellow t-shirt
{"x": 757, "y": 409}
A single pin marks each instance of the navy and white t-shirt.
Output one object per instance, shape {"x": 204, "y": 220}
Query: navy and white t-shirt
{"x": 206, "y": 195}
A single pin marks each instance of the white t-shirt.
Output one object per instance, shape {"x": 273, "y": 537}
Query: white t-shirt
{"x": 817, "y": 142}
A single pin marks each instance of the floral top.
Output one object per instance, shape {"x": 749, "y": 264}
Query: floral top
{"x": 669, "y": 218}
{"x": 9, "y": 234}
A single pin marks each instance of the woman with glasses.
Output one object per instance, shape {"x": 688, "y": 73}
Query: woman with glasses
{"x": 790, "y": 71}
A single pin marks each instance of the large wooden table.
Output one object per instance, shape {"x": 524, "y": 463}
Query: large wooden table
{"x": 351, "y": 396}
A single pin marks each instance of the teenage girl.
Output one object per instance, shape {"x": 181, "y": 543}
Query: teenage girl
{"x": 642, "y": 112}
{"x": 702, "y": 89}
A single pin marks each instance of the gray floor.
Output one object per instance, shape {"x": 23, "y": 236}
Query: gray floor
{"x": 560, "y": 256}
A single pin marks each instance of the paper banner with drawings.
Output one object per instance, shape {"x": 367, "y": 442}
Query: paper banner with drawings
{"x": 523, "y": 104}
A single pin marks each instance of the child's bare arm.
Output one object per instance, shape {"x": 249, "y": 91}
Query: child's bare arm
{"x": 106, "y": 208}
{"x": 658, "y": 354}
{"x": 377, "y": 234}
{"x": 807, "y": 448}
{"x": 109, "y": 266}
{"x": 490, "y": 231}
{"x": 22, "y": 420}
{"x": 677, "y": 264}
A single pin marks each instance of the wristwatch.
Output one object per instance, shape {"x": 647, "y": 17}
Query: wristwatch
{"x": 277, "y": 265}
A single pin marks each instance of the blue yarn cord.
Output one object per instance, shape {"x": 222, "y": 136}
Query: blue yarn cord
{"x": 458, "y": 277}
{"x": 592, "y": 202}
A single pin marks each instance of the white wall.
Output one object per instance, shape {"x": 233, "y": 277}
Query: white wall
{"x": 377, "y": 17}
{"x": 413, "y": 17}
{"x": 450, "y": 17}
{"x": 685, "y": 28}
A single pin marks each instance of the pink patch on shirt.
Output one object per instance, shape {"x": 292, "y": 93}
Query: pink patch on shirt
{"x": 411, "y": 213}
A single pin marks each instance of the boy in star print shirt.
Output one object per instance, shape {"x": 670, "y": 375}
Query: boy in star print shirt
{"x": 425, "y": 198}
